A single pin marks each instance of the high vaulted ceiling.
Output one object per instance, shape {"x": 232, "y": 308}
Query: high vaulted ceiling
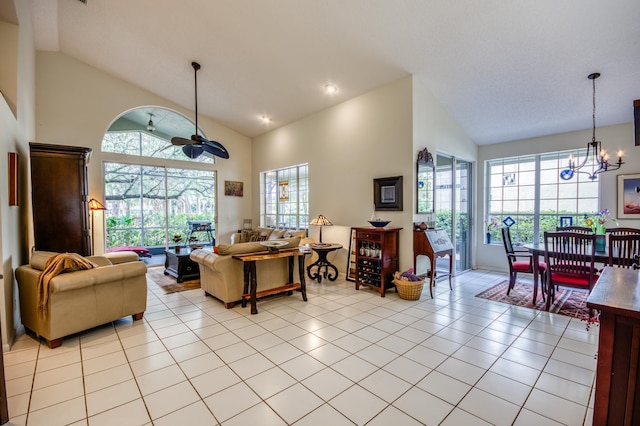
{"x": 504, "y": 70}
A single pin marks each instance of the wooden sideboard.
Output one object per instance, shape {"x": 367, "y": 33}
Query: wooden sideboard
{"x": 617, "y": 296}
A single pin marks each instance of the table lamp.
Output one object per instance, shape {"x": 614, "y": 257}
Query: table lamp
{"x": 93, "y": 206}
{"x": 320, "y": 221}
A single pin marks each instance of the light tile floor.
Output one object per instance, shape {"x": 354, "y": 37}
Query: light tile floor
{"x": 345, "y": 357}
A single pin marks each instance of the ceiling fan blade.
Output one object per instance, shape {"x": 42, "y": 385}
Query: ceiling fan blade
{"x": 198, "y": 143}
{"x": 215, "y": 148}
{"x": 192, "y": 151}
{"x": 177, "y": 140}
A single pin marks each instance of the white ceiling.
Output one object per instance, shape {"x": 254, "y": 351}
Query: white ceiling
{"x": 504, "y": 70}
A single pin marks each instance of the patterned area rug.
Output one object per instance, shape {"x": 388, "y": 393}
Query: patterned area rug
{"x": 168, "y": 283}
{"x": 569, "y": 302}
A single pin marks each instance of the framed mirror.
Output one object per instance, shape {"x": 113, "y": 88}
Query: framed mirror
{"x": 425, "y": 182}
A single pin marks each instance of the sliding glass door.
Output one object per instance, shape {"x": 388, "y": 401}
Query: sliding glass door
{"x": 147, "y": 205}
{"x": 453, "y": 206}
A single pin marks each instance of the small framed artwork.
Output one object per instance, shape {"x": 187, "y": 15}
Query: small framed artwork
{"x": 629, "y": 196}
{"x": 284, "y": 190}
{"x": 234, "y": 189}
{"x": 566, "y": 221}
{"x": 13, "y": 178}
{"x": 387, "y": 193}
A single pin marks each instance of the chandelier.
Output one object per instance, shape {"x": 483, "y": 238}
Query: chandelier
{"x": 599, "y": 159}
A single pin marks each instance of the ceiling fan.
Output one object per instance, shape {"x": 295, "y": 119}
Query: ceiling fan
{"x": 198, "y": 144}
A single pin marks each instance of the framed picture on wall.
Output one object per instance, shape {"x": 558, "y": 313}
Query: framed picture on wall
{"x": 629, "y": 196}
{"x": 233, "y": 188}
{"x": 387, "y": 193}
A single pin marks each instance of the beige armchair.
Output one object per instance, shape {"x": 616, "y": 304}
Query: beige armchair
{"x": 82, "y": 299}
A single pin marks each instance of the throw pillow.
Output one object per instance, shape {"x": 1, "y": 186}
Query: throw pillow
{"x": 257, "y": 236}
{"x": 277, "y": 234}
{"x": 244, "y": 236}
{"x": 290, "y": 234}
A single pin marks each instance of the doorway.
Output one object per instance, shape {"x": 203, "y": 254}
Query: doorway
{"x": 453, "y": 206}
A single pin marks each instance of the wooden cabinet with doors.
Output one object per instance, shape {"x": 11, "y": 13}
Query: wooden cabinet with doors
{"x": 59, "y": 197}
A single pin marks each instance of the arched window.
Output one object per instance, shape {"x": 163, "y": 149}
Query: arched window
{"x": 148, "y": 204}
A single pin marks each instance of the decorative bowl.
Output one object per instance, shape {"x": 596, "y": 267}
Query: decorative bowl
{"x": 273, "y": 243}
{"x": 273, "y": 246}
{"x": 379, "y": 223}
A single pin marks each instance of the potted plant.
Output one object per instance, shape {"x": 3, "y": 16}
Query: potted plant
{"x": 597, "y": 223}
{"x": 491, "y": 223}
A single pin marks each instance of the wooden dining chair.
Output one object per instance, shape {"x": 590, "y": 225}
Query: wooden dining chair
{"x": 623, "y": 249}
{"x": 581, "y": 229}
{"x": 525, "y": 265}
{"x": 570, "y": 259}
{"x": 622, "y": 231}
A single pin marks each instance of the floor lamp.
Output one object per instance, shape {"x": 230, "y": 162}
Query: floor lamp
{"x": 93, "y": 206}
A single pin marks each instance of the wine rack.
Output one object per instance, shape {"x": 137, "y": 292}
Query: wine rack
{"x": 376, "y": 254}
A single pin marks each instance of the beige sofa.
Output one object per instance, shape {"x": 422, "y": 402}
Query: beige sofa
{"x": 265, "y": 234}
{"x": 82, "y": 299}
{"x": 222, "y": 277}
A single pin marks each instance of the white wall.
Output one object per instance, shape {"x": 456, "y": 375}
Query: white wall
{"x": 16, "y": 129}
{"x": 347, "y": 146}
{"x": 76, "y": 105}
{"x": 612, "y": 137}
{"x": 374, "y": 135}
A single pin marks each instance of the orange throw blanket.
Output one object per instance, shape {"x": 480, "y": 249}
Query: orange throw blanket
{"x": 57, "y": 265}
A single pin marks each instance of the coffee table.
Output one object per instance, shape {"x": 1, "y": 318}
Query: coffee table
{"x": 180, "y": 266}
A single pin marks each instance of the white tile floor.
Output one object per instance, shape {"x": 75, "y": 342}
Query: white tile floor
{"x": 345, "y": 357}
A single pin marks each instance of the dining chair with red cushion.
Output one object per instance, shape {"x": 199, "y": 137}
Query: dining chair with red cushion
{"x": 623, "y": 249}
{"x": 622, "y": 231}
{"x": 570, "y": 259}
{"x": 525, "y": 265}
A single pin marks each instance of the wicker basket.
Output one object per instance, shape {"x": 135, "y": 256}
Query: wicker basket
{"x": 409, "y": 290}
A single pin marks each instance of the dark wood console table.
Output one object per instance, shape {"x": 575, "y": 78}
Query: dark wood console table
{"x": 617, "y": 296}
{"x": 251, "y": 283}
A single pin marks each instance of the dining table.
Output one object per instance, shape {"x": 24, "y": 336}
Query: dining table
{"x": 537, "y": 250}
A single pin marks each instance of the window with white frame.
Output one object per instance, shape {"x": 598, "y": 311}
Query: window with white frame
{"x": 528, "y": 189}
{"x": 147, "y": 205}
{"x": 284, "y": 198}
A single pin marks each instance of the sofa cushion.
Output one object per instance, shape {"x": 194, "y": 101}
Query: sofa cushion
{"x": 252, "y": 247}
{"x": 277, "y": 234}
{"x": 290, "y": 234}
{"x": 39, "y": 259}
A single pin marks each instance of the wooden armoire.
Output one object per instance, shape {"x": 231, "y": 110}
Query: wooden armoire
{"x": 59, "y": 194}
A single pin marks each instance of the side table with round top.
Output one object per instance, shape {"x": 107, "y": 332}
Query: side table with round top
{"x": 322, "y": 262}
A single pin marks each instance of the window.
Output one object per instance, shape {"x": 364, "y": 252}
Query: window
{"x": 529, "y": 190}
{"x": 284, "y": 198}
{"x": 146, "y": 145}
{"x": 148, "y": 204}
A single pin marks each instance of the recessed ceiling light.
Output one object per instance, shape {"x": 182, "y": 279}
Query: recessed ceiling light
{"x": 265, "y": 119}
{"x": 330, "y": 89}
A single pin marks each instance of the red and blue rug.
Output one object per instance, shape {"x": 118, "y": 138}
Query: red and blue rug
{"x": 569, "y": 302}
